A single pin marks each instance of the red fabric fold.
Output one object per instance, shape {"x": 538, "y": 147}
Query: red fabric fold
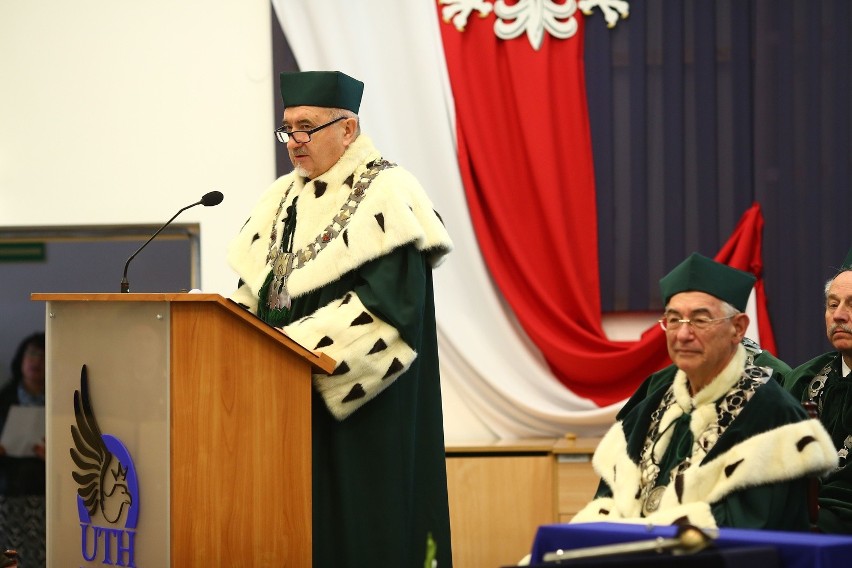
{"x": 744, "y": 250}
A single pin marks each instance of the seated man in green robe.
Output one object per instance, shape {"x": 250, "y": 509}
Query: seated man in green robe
{"x": 826, "y": 381}
{"x": 717, "y": 442}
{"x": 338, "y": 254}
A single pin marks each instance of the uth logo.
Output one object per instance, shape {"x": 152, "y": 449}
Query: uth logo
{"x": 108, "y": 489}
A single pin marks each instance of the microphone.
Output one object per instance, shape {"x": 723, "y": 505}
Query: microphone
{"x": 208, "y": 200}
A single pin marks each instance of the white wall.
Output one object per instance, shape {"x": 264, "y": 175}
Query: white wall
{"x": 118, "y": 111}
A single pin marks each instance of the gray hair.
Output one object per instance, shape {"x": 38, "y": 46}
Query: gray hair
{"x": 336, "y": 113}
{"x": 831, "y": 280}
{"x": 728, "y": 310}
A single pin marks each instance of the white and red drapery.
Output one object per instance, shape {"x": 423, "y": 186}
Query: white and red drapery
{"x": 497, "y": 131}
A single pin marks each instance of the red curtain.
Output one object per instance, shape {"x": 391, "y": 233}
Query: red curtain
{"x": 525, "y": 157}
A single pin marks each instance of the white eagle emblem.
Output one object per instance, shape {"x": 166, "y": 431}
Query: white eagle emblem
{"x": 533, "y": 17}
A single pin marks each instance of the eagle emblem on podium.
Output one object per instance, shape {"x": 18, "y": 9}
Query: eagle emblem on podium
{"x": 105, "y": 474}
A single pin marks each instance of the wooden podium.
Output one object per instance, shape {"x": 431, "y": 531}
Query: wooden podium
{"x": 203, "y": 414}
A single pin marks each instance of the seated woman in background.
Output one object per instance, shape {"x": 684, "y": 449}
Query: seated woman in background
{"x": 22, "y": 479}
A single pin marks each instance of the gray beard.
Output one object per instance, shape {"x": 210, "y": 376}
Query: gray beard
{"x": 300, "y": 171}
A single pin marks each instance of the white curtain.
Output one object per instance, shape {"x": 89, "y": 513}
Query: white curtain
{"x": 495, "y": 383}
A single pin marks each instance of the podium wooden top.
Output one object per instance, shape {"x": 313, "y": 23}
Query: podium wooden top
{"x": 320, "y": 361}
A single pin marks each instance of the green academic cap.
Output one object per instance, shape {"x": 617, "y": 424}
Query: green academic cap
{"x": 700, "y": 274}
{"x": 847, "y": 262}
{"x": 330, "y": 89}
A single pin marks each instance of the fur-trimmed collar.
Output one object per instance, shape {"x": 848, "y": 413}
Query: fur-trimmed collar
{"x": 701, "y": 407}
{"x": 706, "y": 397}
{"x": 713, "y": 390}
{"x": 394, "y": 212}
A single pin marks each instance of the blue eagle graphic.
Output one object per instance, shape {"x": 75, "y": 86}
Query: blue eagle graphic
{"x": 102, "y": 477}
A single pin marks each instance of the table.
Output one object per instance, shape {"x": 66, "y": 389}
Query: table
{"x": 795, "y": 549}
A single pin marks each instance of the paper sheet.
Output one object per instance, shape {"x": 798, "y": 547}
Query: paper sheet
{"x": 24, "y": 429}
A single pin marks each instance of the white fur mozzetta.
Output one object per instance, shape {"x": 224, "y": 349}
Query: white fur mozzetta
{"x": 394, "y": 212}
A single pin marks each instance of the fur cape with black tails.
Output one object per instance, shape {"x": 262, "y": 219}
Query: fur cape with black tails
{"x": 394, "y": 212}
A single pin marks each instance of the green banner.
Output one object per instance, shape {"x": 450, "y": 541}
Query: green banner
{"x": 22, "y": 252}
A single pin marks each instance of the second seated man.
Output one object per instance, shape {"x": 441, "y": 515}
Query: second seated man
{"x": 826, "y": 380}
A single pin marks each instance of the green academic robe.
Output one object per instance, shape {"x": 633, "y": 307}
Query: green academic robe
{"x": 365, "y": 240}
{"x": 835, "y": 412}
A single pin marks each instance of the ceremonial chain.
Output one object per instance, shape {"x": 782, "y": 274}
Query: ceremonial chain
{"x": 284, "y": 261}
{"x": 727, "y": 409}
{"x": 818, "y": 383}
{"x": 815, "y": 394}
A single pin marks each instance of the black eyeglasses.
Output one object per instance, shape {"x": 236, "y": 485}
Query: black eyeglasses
{"x": 300, "y": 136}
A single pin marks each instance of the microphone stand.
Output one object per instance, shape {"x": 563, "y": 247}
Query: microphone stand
{"x": 208, "y": 199}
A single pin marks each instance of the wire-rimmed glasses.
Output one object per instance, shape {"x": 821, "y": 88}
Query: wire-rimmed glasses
{"x": 674, "y": 323}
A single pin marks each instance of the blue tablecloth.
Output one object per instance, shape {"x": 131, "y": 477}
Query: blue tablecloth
{"x": 795, "y": 549}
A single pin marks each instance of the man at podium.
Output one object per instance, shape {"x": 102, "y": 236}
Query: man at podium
{"x": 339, "y": 255}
